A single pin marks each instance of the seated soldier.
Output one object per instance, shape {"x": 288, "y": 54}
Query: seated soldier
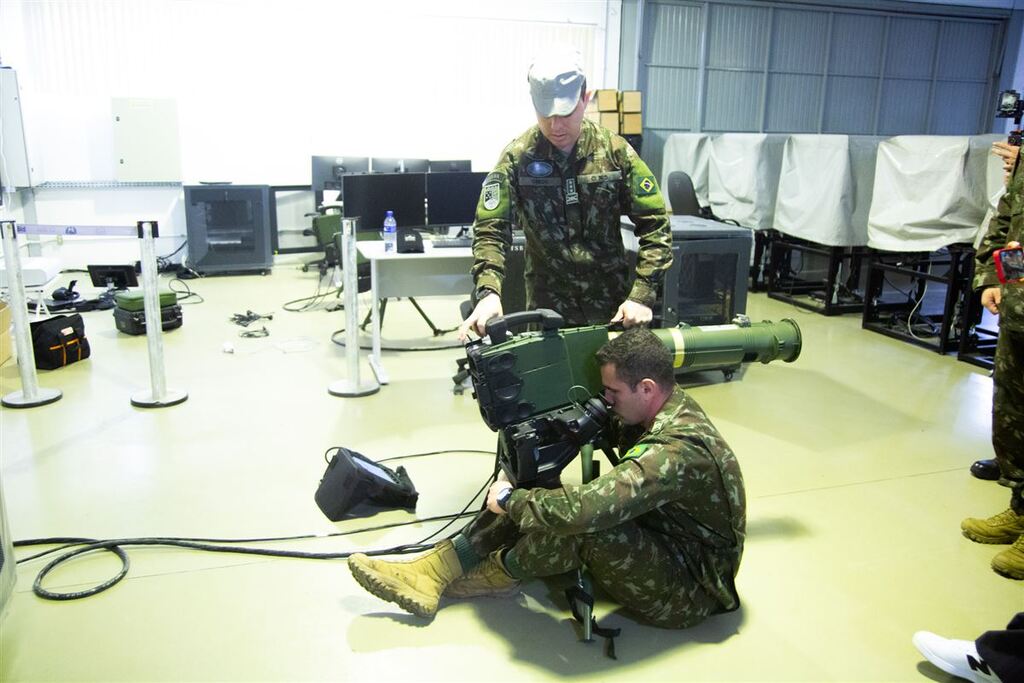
{"x": 661, "y": 533}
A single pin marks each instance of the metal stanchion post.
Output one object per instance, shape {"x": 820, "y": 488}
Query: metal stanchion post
{"x": 352, "y": 386}
{"x": 31, "y": 393}
{"x": 159, "y": 395}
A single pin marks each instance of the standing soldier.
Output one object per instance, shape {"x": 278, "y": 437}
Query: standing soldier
{"x": 1006, "y": 301}
{"x": 566, "y": 182}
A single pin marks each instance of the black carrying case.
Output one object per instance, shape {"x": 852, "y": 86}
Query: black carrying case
{"x": 59, "y": 341}
{"x": 134, "y": 322}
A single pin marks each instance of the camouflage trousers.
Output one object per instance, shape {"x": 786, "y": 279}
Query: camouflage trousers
{"x": 1008, "y": 414}
{"x": 631, "y": 564}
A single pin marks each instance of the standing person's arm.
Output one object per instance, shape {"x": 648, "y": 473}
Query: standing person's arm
{"x": 998, "y": 230}
{"x": 645, "y": 206}
{"x": 492, "y": 235}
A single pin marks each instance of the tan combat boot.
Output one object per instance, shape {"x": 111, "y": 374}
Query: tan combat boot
{"x": 415, "y": 585}
{"x": 1010, "y": 562}
{"x": 1005, "y": 527}
{"x": 488, "y": 578}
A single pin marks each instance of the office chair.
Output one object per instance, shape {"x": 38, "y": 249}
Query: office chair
{"x": 681, "y": 195}
{"x": 326, "y": 227}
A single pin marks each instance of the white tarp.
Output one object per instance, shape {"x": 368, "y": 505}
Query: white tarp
{"x": 825, "y": 188}
{"x": 687, "y": 152}
{"x": 743, "y": 177}
{"x": 930, "y": 191}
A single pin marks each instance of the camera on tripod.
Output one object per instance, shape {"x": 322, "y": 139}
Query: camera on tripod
{"x": 1011, "y": 107}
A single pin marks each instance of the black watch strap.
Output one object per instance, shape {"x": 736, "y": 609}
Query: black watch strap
{"x": 503, "y": 497}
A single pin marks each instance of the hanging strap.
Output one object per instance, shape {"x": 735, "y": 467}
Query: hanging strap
{"x": 576, "y": 594}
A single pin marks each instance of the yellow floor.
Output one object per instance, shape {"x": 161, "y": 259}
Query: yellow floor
{"x": 855, "y": 460}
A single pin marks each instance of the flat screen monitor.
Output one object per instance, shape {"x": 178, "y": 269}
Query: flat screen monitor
{"x": 115, "y": 277}
{"x": 450, "y": 165}
{"x": 452, "y": 197}
{"x": 388, "y": 165}
{"x": 328, "y": 170}
{"x": 370, "y": 196}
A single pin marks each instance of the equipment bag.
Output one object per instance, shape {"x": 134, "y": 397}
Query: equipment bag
{"x": 59, "y": 341}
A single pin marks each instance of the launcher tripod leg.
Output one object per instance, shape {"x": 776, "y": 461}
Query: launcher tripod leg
{"x": 583, "y": 582}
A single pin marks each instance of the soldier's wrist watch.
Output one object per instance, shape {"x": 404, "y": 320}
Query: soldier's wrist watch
{"x": 481, "y": 292}
{"x": 502, "y": 499}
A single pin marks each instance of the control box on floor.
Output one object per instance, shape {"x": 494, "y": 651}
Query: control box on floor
{"x": 130, "y": 314}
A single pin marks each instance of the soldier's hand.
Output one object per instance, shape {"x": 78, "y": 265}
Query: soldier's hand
{"x": 492, "y": 496}
{"x": 487, "y": 308}
{"x": 991, "y": 297}
{"x": 1008, "y": 153}
{"x": 631, "y": 313}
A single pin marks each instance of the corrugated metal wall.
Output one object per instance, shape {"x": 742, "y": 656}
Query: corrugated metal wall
{"x": 773, "y": 68}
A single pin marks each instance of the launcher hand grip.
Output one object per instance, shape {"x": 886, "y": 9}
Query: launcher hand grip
{"x": 498, "y": 328}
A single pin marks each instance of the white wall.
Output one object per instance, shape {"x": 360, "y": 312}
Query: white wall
{"x": 261, "y": 85}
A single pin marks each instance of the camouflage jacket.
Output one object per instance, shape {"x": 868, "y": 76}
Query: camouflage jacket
{"x": 570, "y": 209}
{"x": 678, "y": 479}
{"x": 1006, "y": 226}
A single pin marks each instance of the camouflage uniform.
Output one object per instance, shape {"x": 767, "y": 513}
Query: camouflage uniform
{"x": 1008, "y": 399}
{"x": 662, "y": 533}
{"x": 570, "y": 209}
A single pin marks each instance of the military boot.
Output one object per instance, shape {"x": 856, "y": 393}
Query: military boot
{"x": 1010, "y": 562}
{"x": 1002, "y": 528}
{"x": 416, "y": 585}
{"x": 488, "y": 578}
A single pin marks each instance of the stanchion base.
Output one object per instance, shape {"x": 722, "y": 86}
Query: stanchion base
{"x": 348, "y": 388}
{"x": 17, "y": 399}
{"x": 145, "y": 399}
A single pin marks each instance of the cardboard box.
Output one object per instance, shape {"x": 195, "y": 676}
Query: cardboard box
{"x": 607, "y": 100}
{"x": 629, "y": 101}
{"x": 631, "y": 124}
{"x": 5, "y": 332}
{"x": 610, "y": 120}
{"x": 594, "y": 116}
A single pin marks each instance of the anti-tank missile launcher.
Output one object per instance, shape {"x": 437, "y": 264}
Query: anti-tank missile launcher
{"x": 541, "y": 390}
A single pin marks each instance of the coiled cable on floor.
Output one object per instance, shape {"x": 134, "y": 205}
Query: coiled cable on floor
{"x": 76, "y": 546}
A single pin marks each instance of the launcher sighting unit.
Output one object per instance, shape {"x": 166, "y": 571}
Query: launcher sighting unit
{"x": 541, "y": 391}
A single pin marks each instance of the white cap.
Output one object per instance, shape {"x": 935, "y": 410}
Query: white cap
{"x": 556, "y": 80}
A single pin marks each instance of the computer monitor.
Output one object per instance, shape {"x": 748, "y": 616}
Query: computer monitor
{"x": 388, "y": 165}
{"x": 327, "y": 170}
{"x": 370, "y": 196}
{"x": 450, "y": 165}
{"x": 113, "y": 277}
{"x": 452, "y": 197}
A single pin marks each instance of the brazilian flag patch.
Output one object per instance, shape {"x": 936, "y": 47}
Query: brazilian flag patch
{"x": 644, "y": 186}
{"x": 636, "y": 451}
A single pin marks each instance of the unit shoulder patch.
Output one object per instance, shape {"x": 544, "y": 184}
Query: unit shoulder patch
{"x": 492, "y": 196}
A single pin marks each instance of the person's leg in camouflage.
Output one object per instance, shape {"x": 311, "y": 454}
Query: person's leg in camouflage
{"x": 628, "y": 562}
{"x": 1008, "y": 443}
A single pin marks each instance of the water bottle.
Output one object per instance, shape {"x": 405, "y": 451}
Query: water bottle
{"x": 390, "y": 231}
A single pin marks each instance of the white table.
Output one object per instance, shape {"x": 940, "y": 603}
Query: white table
{"x": 435, "y": 272}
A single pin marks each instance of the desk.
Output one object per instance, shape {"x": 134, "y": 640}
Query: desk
{"x": 435, "y": 272}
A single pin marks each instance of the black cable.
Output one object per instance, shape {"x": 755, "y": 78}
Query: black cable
{"x": 262, "y": 332}
{"x": 84, "y": 545}
{"x": 314, "y": 300}
{"x": 249, "y": 317}
{"x": 187, "y": 291}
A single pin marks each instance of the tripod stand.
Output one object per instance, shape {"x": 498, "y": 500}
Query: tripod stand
{"x": 383, "y": 304}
